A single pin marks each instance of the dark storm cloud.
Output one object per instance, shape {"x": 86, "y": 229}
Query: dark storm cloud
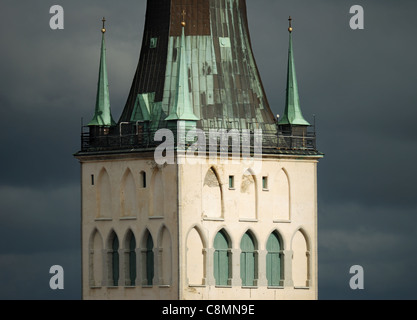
{"x": 359, "y": 84}
{"x": 379, "y": 238}
{"x": 39, "y": 220}
{"x": 26, "y": 276}
{"x": 50, "y": 83}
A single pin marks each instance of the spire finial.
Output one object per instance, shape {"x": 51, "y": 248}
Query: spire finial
{"x": 103, "y": 30}
{"x": 290, "y": 29}
{"x": 292, "y": 115}
{"x": 102, "y": 116}
{"x": 183, "y": 14}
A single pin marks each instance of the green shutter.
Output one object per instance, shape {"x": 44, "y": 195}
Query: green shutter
{"x": 221, "y": 260}
{"x": 115, "y": 261}
{"x": 247, "y": 260}
{"x": 149, "y": 261}
{"x": 132, "y": 260}
{"x": 273, "y": 261}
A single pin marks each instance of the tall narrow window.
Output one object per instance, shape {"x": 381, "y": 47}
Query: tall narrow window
{"x": 143, "y": 178}
{"x": 221, "y": 259}
{"x": 265, "y": 183}
{"x": 273, "y": 261}
{"x": 92, "y": 179}
{"x": 132, "y": 260}
{"x": 115, "y": 261}
{"x": 247, "y": 260}
{"x": 231, "y": 182}
{"x": 149, "y": 261}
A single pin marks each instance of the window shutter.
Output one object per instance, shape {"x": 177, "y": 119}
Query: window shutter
{"x": 221, "y": 260}
{"x": 273, "y": 261}
{"x": 115, "y": 261}
{"x": 132, "y": 260}
{"x": 247, "y": 260}
{"x": 149, "y": 261}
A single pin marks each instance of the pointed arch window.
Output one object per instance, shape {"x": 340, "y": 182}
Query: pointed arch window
{"x": 247, "y": 261}
{"x": 222, "y": 259}
{"x": 273, "y": 261}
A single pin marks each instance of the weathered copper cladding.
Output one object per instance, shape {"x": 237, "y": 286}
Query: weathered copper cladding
{"x": 224, "y": 80}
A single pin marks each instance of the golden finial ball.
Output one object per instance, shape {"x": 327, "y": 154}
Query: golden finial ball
{"x": 290, "y": 29}
{"x": 103, "y": 30}
{"x": 183, "y": 23}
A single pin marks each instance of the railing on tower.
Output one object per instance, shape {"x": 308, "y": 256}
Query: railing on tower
{"x": 138, "y": 135}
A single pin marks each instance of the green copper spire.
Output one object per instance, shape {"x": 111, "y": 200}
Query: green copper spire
{"x": 292, "y": 114}
{"x": 182, "y": 108}
{"x": 102, "y": 116}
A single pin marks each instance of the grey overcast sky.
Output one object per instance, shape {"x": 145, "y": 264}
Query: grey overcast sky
{"x": 361, "y": 85}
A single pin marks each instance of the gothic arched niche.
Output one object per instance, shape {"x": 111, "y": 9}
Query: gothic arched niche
{"x": 195, "y": 258}
{"x": 104, "y": 195}
{"x": 96, "y": 259}
{"x": 165, "y": 257}
{"x": 128, "y": 195}
{"x": 157, "y": 194}
{"x": 300, "y": 260}
{"x": 282, "y": 193}
{"x": 212, "y": 196}
{"x": 248, "y": 196}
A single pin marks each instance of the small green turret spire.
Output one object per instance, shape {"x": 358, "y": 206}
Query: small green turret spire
{"x": 102, "y": 116}
{"x": 182, "y": 108}
{"x": 292, "y": 115}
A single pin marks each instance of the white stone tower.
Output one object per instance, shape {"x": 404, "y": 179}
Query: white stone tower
{"x": 156, "y": 225}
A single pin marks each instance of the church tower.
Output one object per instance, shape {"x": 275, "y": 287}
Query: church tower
{"x": 198, "y": 191}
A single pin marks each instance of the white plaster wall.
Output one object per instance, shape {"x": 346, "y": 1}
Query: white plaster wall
{"x": 138, "y": 221}
{"x": 302, "y": 206}
{"x": 182, "y": 215}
